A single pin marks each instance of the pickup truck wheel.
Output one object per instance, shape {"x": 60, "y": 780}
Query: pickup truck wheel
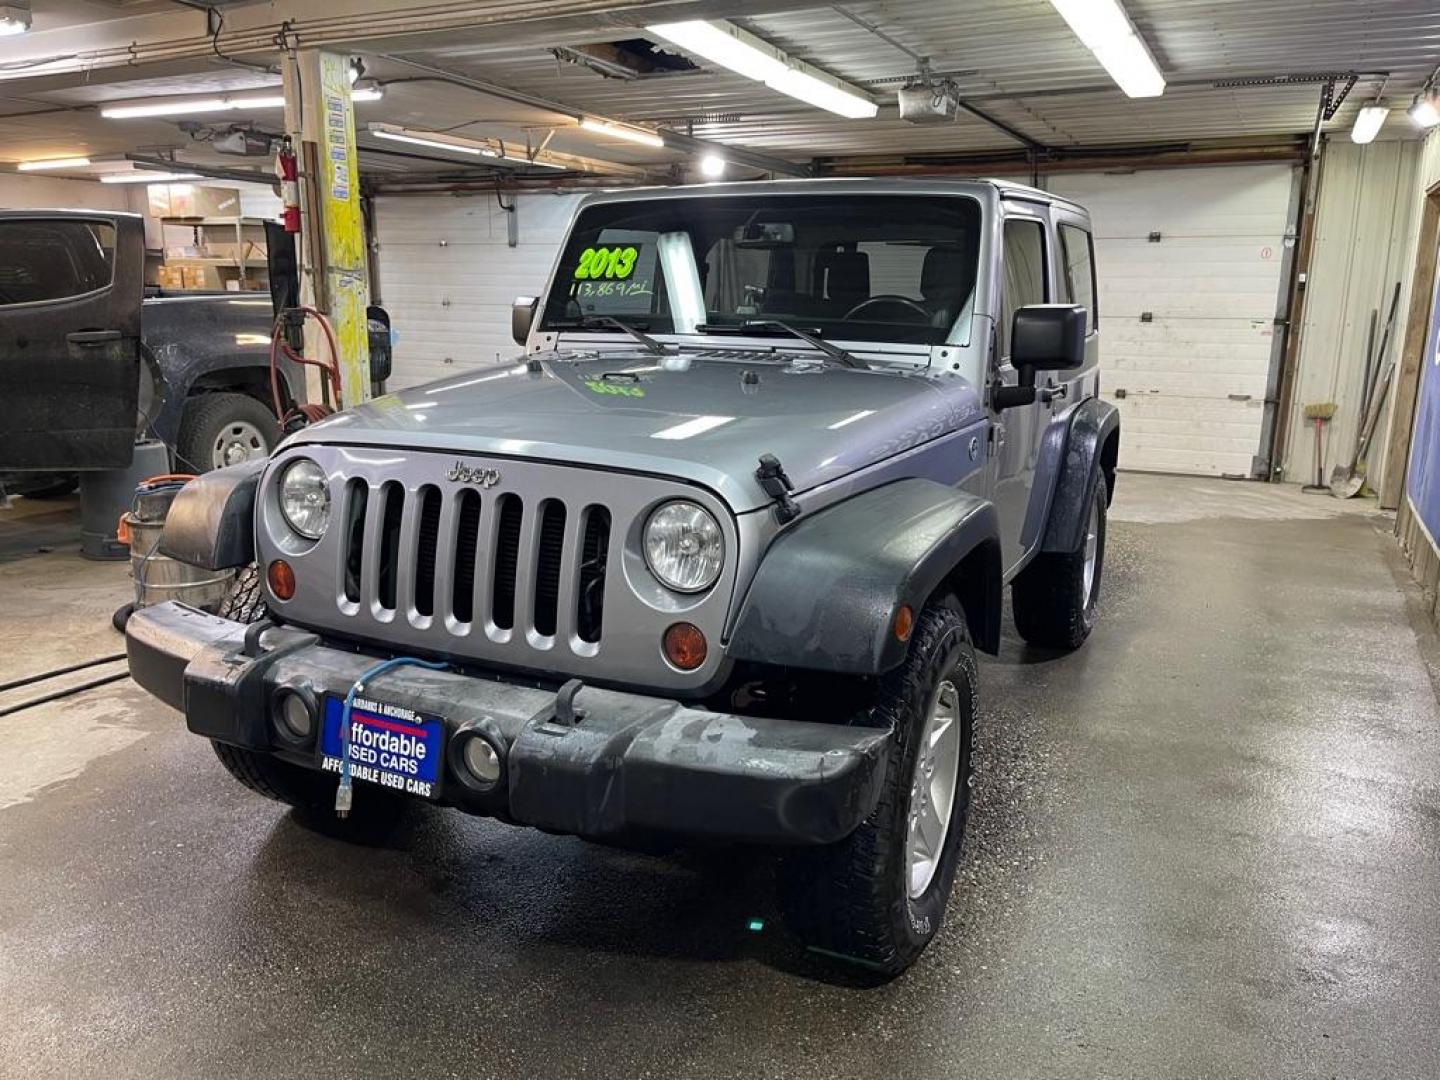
{"x": 225, "y": 429}
{"x": 245, "y": 602}
{"x": 1055, "y": 597}
{"x": 877, "y": 897}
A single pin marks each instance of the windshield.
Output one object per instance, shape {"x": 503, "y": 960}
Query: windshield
{"x": 850, "y": 267}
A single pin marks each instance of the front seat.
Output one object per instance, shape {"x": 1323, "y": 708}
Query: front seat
{"x": 946, "y": 281}
{"x": 843, "y": 279}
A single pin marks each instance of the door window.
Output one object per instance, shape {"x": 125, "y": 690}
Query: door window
{"x": 1078, "y": 279}
{"x": 1024, "y": 279}
{"x": 52, "y": 260}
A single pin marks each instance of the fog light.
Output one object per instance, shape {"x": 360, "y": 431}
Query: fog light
{"x": 684, "y": 646}
{"x": 282, "y": 579}
{"x": 296, "y": 716}
{"x": 481, "y": 760}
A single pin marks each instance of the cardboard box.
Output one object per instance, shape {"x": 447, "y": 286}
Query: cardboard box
{"x": 170, "y": 277}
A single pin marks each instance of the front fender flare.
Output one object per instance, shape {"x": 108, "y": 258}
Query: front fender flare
{"x": 826, "y": 593}
{"x": 211, "y": 523}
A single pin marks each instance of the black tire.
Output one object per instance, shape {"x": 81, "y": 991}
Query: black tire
{"x": 302, "y": 788}
{"x": 851, "y": 899}
{"x": 1053, "y": 608}
{"x": 245, "y": 602}
{"x": 208, "y": 417}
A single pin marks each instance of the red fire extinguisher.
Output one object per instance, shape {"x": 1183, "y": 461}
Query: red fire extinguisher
{"x": 288, "y": 170}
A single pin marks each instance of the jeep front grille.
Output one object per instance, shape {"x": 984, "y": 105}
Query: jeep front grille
{"x": 509, "y": 560}
{"x": 540, "y": 570}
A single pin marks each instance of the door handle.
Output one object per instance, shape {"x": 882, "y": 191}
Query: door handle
{"x": 89, "y": 339}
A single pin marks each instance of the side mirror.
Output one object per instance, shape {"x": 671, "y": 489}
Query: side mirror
{"x": 522, "y": 314}
{"x": 1048, "y": 337}
{"x": 1043, "y": 337}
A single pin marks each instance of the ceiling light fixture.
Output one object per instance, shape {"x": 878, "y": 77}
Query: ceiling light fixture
{"x": 1423, "y": 111}
{"x": 144, "y": 176}
{"x": 435, "y": 140}
{"x": 712, "y": 166}
{"x": 745, "y": 54}
{"x": 620, "y": 131}
{"x": 54, "y": 163}
{"x": 239, "y": 102}
{"x": 1103, "y": 27}
{"x": 1368, "y": 122}
{"x": 14, "y": 17}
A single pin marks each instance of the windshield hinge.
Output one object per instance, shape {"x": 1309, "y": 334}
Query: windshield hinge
{"x": 774, "y": 482}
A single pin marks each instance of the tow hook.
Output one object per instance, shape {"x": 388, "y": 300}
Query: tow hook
{"x": 774, "y": 482}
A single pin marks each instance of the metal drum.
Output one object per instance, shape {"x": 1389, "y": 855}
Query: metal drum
{"x": 158, "y": 577}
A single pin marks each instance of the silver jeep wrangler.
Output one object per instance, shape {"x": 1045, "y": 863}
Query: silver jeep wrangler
{"x": 710, "y": 559}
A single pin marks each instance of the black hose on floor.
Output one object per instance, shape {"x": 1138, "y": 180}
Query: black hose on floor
{"x": 58, "y": 694}
{"x": 29, "y": 679}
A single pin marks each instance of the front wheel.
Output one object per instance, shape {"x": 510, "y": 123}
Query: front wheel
{"x": 877, "y": 897}
{"x": 1056, "y": 597}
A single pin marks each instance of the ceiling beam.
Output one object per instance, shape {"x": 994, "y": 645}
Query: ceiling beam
{"x": 673, "y": 139}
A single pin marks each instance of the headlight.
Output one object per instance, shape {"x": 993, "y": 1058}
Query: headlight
{"x": 684, "y": 547}
{"x": 305, "y": 498}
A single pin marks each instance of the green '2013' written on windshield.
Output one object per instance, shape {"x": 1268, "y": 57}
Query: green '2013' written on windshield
{"x": 613, "y": 264}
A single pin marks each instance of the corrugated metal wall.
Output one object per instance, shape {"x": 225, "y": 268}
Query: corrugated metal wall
{"x": 447, "y": 275}
{"x": 1365, "y": 222}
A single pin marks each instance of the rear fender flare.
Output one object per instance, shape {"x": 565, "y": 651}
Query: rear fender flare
{"x": 1091, "y": 425}
{"x": 826, "y": 594}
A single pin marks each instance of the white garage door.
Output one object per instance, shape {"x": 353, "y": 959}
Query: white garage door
{"x": 1188, "y": 319}
{"x": 448, "y": 275}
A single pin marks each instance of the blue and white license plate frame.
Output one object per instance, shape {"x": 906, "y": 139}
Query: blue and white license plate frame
{"x": 392, "y": 746}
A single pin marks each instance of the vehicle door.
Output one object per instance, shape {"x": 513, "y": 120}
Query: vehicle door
{"x": 1025, "y": 277}
{"x": 71, "y": 286}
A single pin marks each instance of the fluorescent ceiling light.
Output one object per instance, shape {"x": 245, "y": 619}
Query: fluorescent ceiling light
{"x": 619, "y": 131}
{"x": 1423, "y": 111}
{"x": 1368, "y": 122}
{"x": 712, "y": 166}
{"x": 191, "y": 106}
{"x": 240, "y": 102}
{"x": 54, "y": 163}
{"x": 145, "y": 176}
{"x": 729, "y": 46}
{"x": 1103, "y": 27}
{"x": 435, "y": 140}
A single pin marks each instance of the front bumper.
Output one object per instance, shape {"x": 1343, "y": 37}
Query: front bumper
{"x": 601, "y": 764}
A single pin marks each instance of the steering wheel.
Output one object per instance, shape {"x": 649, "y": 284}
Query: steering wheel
{"x": 908, "y": 308}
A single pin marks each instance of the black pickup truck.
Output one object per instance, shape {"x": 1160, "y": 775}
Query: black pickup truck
{"x": 89, "y": 362}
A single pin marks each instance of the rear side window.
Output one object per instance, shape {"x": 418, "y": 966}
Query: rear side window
{"x": 1078, "y": 263}
{"x": 51, "y": 260}
{"x": 1024, "y": 281}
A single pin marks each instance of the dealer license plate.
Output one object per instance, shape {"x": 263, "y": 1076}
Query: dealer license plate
{"x": 390, "y": 745}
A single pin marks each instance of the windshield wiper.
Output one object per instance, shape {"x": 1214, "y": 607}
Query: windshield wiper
{"x": 595, "y": 322}
{"x": 832, "y": 351}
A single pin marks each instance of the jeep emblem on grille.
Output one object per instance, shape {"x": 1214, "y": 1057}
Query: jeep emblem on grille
{"x": 466, "y": 474}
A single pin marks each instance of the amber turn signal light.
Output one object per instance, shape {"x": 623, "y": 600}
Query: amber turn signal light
{"x": 281, "y": 578}
{"x": 684, "y": 646}
{"x": 904, "y": 622}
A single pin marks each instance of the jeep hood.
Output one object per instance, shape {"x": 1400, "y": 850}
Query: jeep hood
{"x": 701, "y": 416}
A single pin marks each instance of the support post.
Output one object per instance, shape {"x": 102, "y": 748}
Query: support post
{"x": 334, "y": 279}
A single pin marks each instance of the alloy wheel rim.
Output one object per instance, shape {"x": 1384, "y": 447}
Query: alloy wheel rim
{"x": 932, "y": 790}
{"x": 238, "y": 441}
{"x": 1092, "y": 550}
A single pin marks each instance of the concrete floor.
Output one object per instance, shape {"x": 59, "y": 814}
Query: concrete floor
{"x": 1202, "y": 846}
